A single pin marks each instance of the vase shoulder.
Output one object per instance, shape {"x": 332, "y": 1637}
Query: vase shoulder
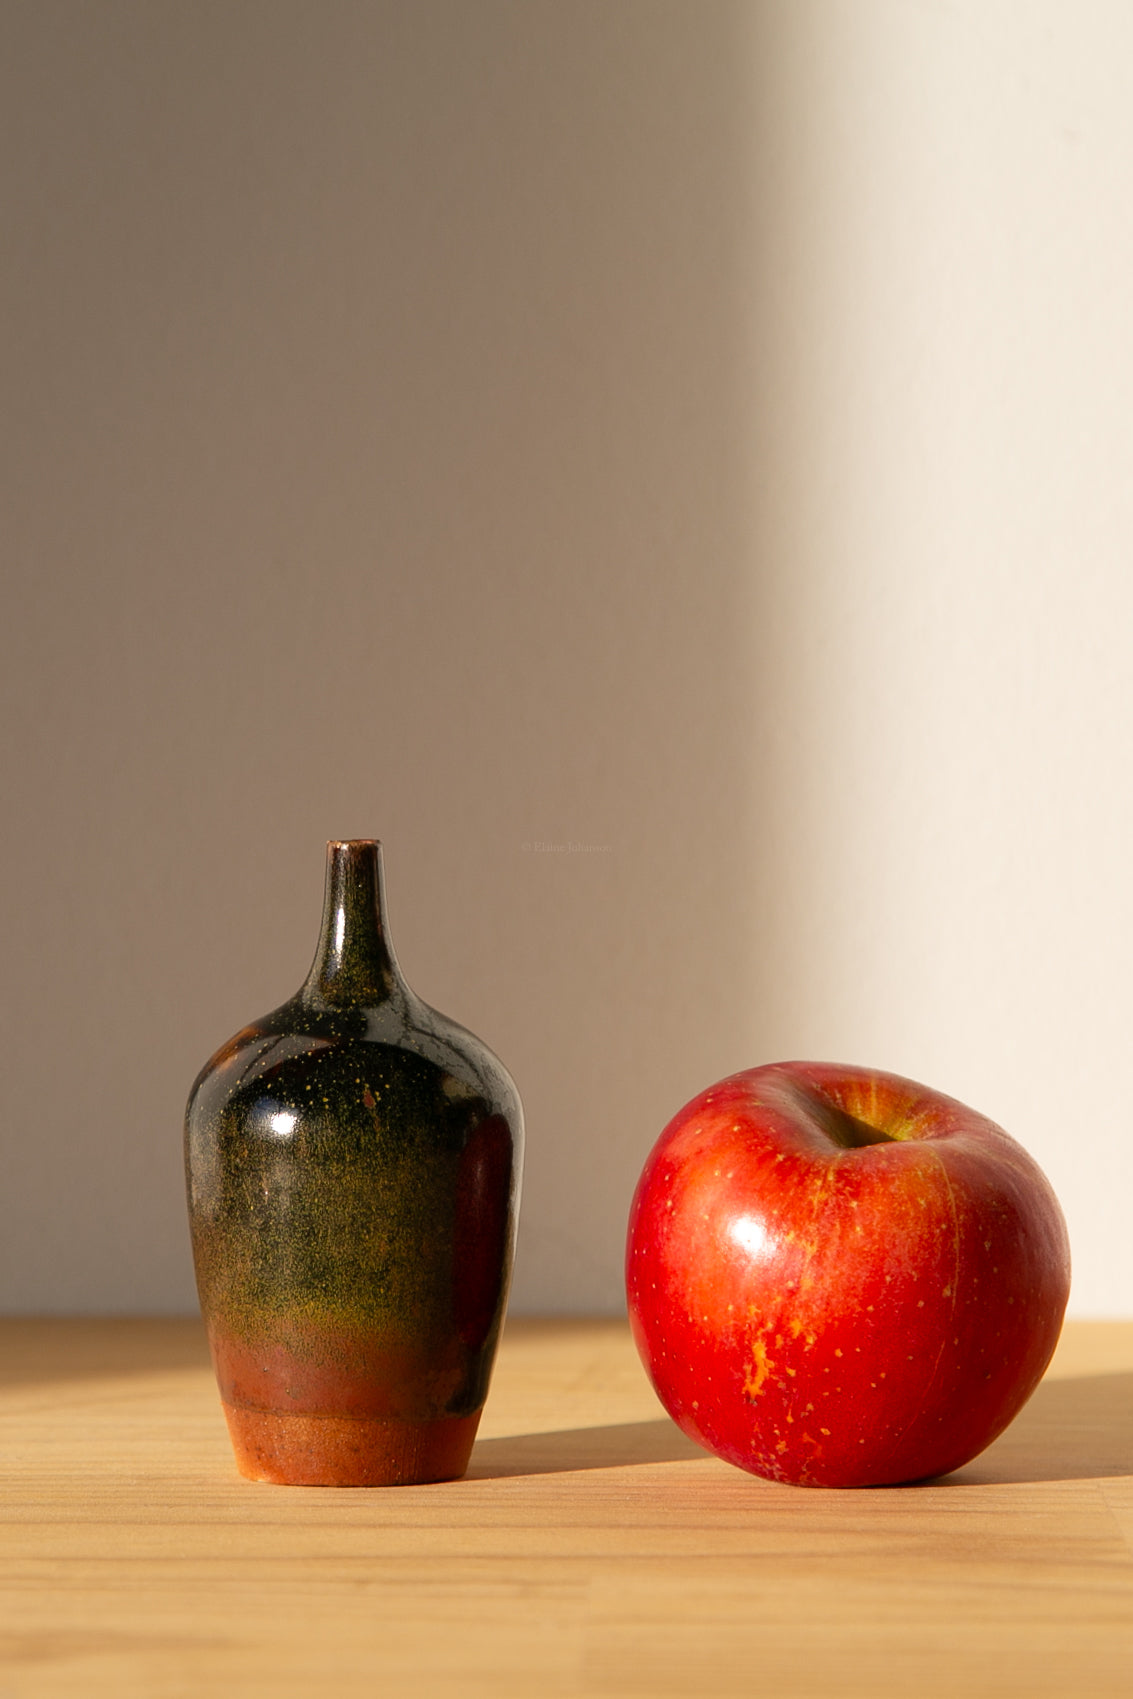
{"x": 298, "y": 1039}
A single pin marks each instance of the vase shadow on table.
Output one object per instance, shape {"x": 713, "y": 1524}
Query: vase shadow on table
{"x": 618, "y": 1446}
{"x": 1070, "y": 1430}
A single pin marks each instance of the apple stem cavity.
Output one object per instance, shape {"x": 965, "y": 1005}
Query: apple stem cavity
{"x": 841, "y": 1128}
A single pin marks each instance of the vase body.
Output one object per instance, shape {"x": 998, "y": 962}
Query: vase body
{"x": 353, "y": 1163}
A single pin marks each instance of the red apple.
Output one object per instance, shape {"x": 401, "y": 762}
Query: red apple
{"x": 840, "y": 1278}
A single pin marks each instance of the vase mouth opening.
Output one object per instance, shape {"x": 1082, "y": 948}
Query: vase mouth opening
{"x": 353, "y": 843}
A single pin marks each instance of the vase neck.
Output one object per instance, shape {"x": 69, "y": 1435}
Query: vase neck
{"x": 354, "y": 962}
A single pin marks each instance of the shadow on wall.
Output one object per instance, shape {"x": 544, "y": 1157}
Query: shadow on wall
{"x": 405, "y": 448}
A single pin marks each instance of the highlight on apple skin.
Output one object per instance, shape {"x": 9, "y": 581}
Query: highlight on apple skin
{"x": 837, "y": 1277}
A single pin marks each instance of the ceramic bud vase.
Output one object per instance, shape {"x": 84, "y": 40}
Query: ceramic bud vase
{"x": 353, "y": 1165}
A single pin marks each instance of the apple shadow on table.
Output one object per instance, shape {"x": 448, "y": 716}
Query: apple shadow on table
{"x": 1071, "y": 1430}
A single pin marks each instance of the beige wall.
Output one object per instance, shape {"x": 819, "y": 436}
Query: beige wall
{"x": 695, "y": 431}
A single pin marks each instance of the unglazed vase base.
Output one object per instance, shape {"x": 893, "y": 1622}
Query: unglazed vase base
{"x": 348, "y": 1451}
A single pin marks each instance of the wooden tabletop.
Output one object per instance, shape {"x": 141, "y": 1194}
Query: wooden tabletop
{"x": 590, "y": 1550}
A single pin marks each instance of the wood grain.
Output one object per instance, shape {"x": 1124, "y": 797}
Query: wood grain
{"x": 591, "y": 1550}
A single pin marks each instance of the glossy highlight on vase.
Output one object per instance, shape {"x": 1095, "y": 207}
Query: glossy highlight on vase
{"x": 353, "y": 1163}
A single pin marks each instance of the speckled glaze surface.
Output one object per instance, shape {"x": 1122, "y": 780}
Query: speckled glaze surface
{"x": 353, "y": 1163}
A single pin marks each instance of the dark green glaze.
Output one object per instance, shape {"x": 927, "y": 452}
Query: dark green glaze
{"x": 353, "y": 1164}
